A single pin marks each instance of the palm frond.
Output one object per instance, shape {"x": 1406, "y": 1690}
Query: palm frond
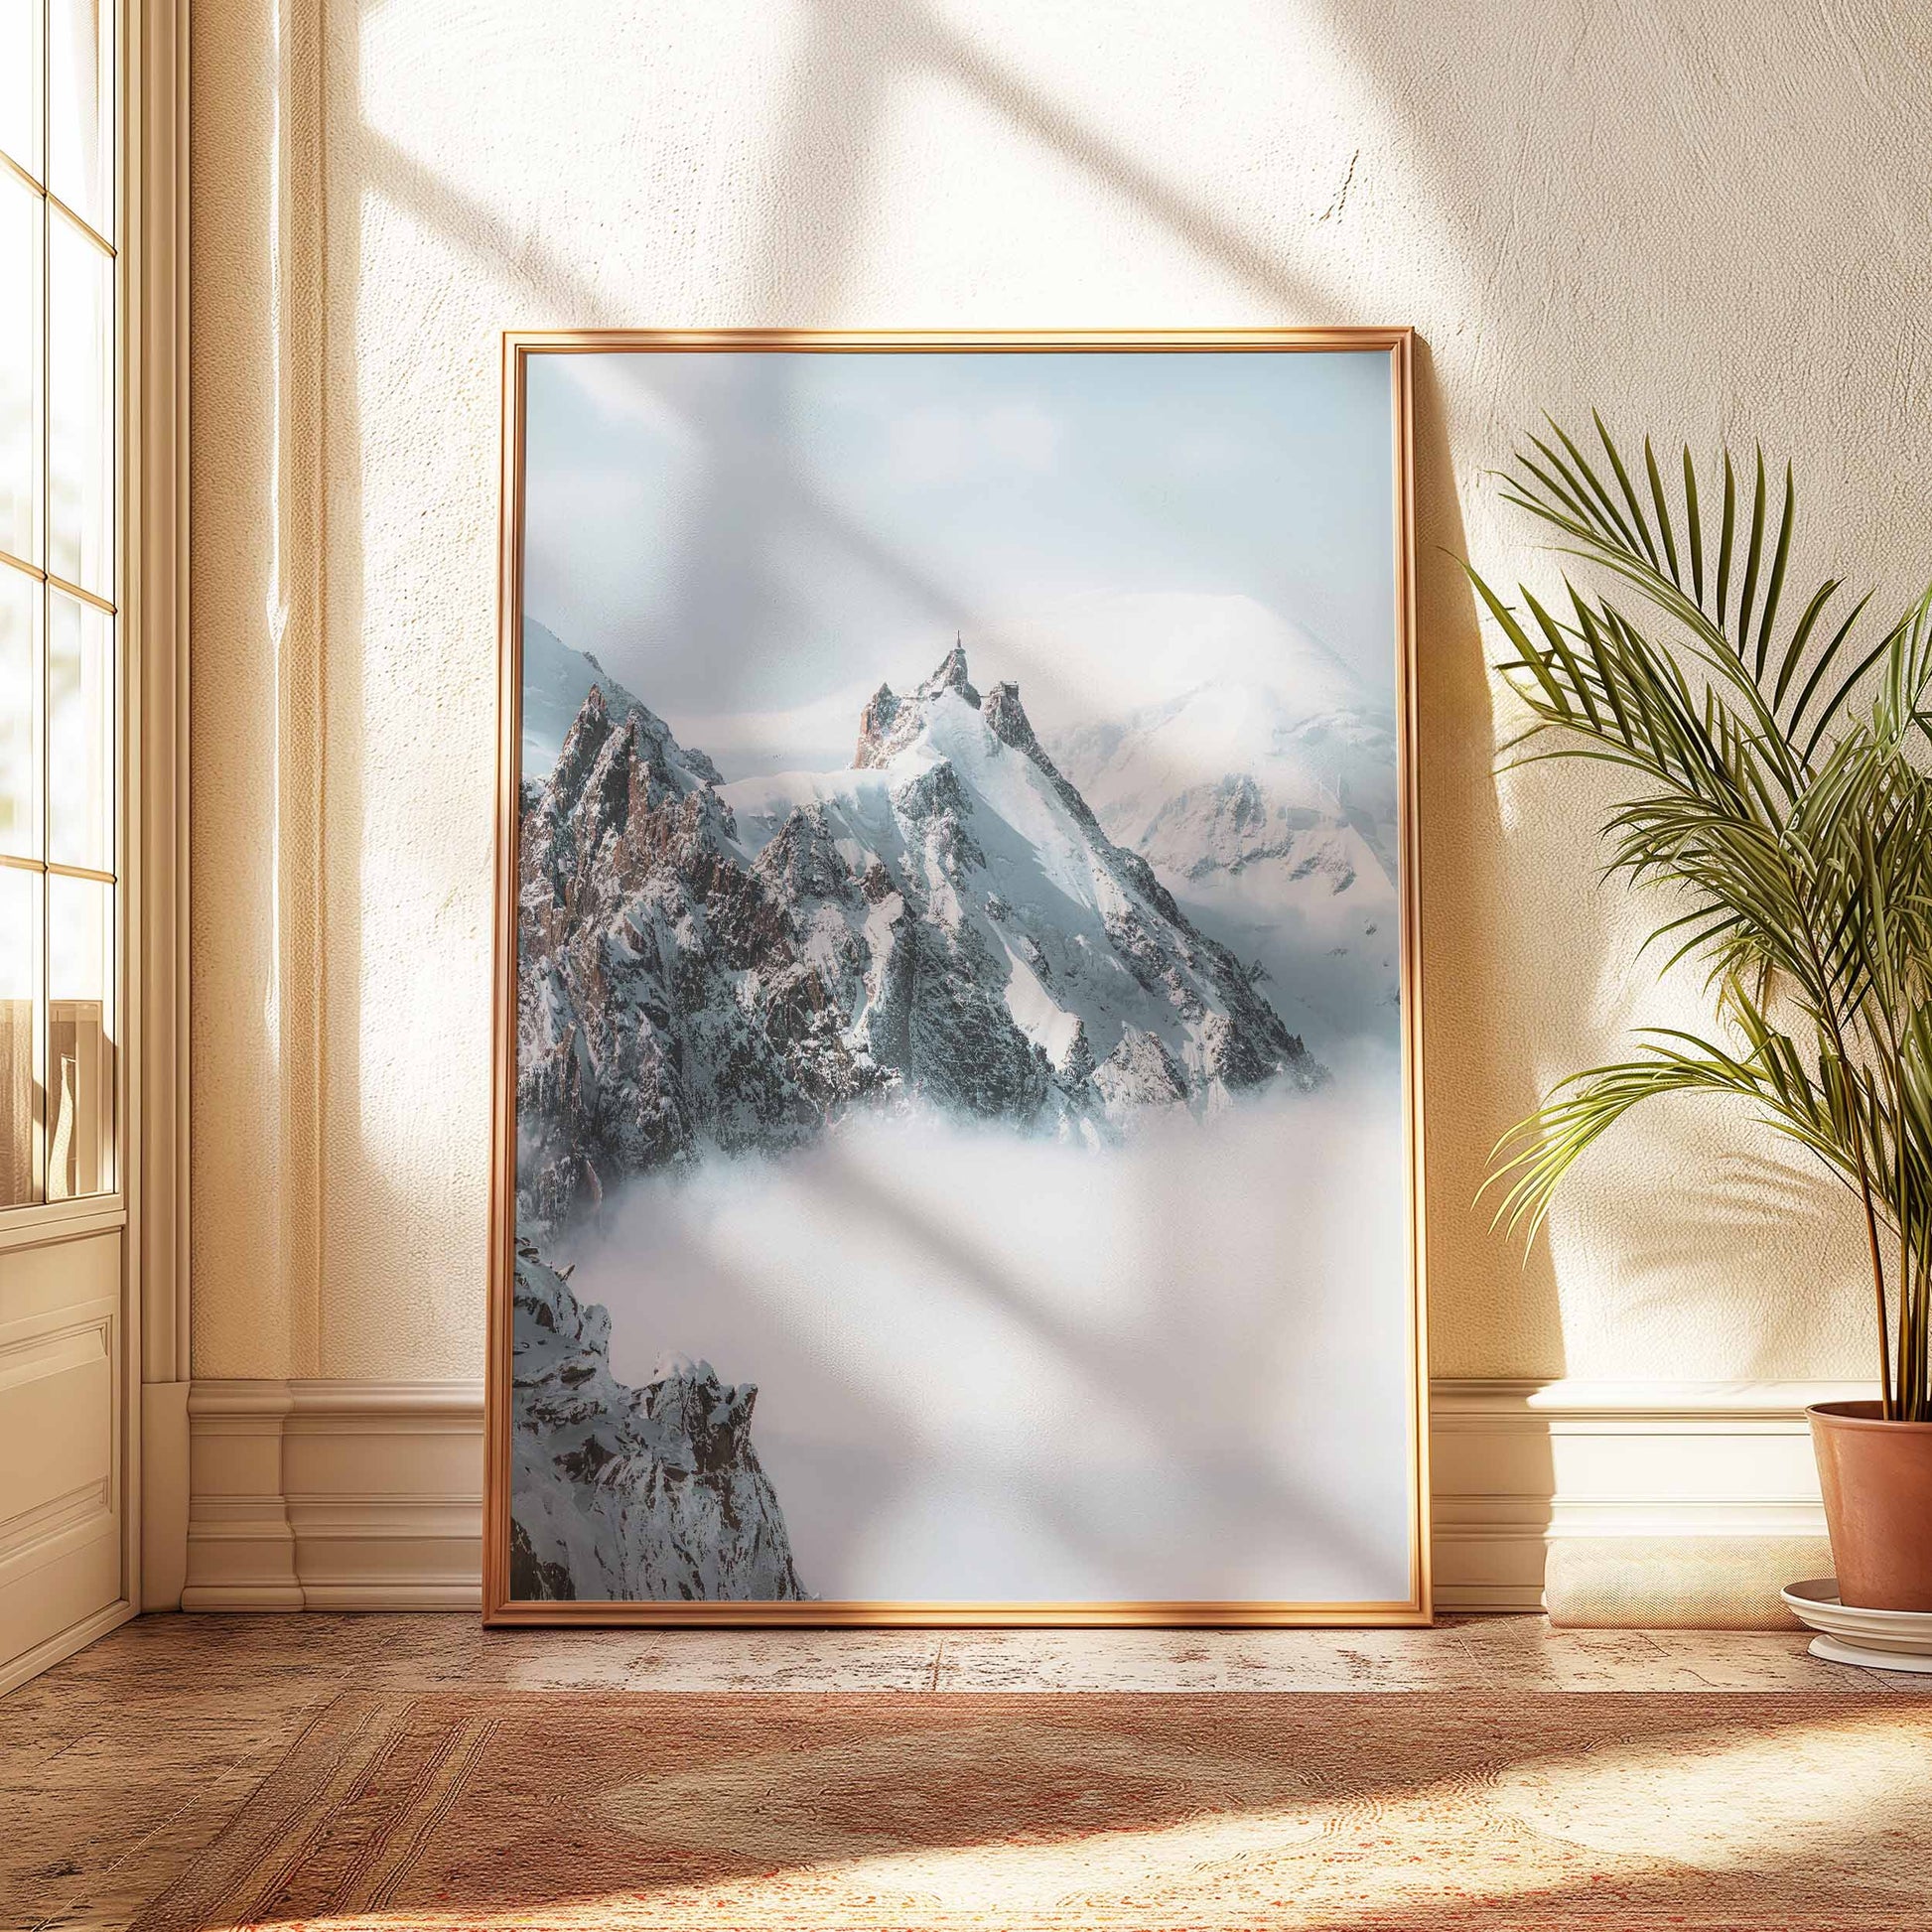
{"x": 1775, "y": 795}
{"x": 1605, "y": 520}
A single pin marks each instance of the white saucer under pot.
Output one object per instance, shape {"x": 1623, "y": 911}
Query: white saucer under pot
{"x": 1875, "y": 1639}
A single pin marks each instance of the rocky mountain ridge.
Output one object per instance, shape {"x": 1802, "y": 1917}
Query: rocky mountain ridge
{"x": 944, "y": 923}
{"x": 621, "y": 1494}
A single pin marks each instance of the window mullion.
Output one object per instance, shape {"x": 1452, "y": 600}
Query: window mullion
{"x": 43, "y": 988}
{"x": 43, "y": 978}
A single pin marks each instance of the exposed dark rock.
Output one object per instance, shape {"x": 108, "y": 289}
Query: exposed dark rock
{"x": 533, "y": 1581}
{"x": 687, "y": 982}
{"x": 875, "y": 726}
{"x": 1008, "y": 720}
{"x": 623, "y": 1494}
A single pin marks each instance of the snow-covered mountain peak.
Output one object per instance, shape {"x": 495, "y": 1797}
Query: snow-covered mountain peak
{"x": 947, "y": 716}
{"x": 944, "y": 923}
{"x": 891, "y": 723}
{"x": 875, "y": 726}
{"x": 556, "y": 681}
{"x": 675, "y": 1365}
{"x": 1314, "y": 764}
{"x": 951, "y": 676}
{"x": 558, "y": 684}
{"x": 1007, "y": 719}
{"x": 1267, "y": 805}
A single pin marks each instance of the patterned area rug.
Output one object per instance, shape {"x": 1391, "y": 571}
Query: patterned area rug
{"x": 934, "y": 1814}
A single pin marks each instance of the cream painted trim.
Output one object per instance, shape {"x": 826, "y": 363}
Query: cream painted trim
{"x": 335, "y": 1496}
{"x": 369, "y": 1495}
{"x": 53, "y": 1221}
{"x": 1521, "y": 1467}
{"x": 164, "y": 1495}
{"x": 56, "y": 1649}
{"x": 155, "y": 230}
{"x": 1577, "y": 1401}
{"x": 151, "y": 1149}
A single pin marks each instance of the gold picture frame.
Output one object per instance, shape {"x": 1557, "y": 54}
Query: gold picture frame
{"x": 499, "y": 1607}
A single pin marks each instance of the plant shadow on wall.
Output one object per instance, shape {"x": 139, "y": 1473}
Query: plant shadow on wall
{"x": 1774, "y": 794}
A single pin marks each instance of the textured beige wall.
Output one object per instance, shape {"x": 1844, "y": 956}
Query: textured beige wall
{"x": 1711, "y": 217}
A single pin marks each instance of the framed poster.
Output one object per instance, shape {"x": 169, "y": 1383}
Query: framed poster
{"x": 957, "y": 1155}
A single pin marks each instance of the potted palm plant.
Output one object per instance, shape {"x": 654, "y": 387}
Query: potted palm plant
{"x": 1770, "y": 748}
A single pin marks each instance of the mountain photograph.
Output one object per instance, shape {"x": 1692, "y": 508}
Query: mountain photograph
{"x": 983, "y": 1046}
{"x": 944, "y": 923}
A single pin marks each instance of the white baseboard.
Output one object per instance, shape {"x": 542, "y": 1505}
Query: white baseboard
{"x": 62, "y": 1646}
{"x": 1663, "y": 1476}
{"x": 369, "y": 1495}
{"x": 335, "y": 1496}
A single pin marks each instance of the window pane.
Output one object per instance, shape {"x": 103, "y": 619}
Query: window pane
{"x": 79, "y": 458}
{"x": 80, "y": 1038}
{"x": 80, "y": 109}
{"x": 20, "y": 705}
{"x": 20, "y": 83}
{"x": 20, "y": 945}
{"x": 20, "y": 367}
{"x": 80, "y": 734}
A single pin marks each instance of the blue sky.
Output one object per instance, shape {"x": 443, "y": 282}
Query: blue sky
{"x": 758, "y": 532}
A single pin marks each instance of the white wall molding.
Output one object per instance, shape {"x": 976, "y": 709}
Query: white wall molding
{"x": 1687, "y": 1480}
{"x": 157, "y": 784}
{"x": 369, "y": 1495}
{"x": 335, "y": 1495}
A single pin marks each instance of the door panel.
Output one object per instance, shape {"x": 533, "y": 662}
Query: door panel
{"x": 67, "y": 957}
{"x": 60, "y": 1493}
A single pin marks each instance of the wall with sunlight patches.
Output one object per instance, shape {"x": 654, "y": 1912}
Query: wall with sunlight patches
{"x": 1709, "y": 219}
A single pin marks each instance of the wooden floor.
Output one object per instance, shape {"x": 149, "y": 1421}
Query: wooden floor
{"x": 117, "y": 1767}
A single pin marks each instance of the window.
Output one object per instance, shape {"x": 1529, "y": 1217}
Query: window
{"x": 59, "y": 803}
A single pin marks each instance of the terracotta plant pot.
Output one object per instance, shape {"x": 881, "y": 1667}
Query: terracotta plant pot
{"x": 1876, "y": 1477}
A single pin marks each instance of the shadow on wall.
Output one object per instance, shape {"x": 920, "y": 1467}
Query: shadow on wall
{"x": 1467, "y": 898}
{"x": 382, "y": 1079}
{"x": 794, "y": 268}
